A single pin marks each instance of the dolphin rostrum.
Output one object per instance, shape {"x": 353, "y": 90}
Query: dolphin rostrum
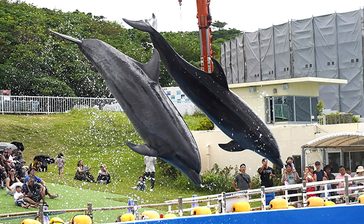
{"x": 211, "y": 94}
{"x": 136, "y": 88}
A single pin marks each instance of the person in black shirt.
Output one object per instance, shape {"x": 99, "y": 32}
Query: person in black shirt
{"x": 319, "y": 173}
{"x": 266, "y": 174}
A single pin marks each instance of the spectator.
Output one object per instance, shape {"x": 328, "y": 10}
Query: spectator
{"x": 7, "y": 159}
{"x": 83, "y": 173}
{"x": 21, "y": 200}
{"x": 242, "y": 181}
{"x": 39, "y": 181}
{"x": 359, "y": 173}
{"x": 291, "y": 161}
{"x": 34, "y": 190}
{"x": 11, "y": 182}
{"x": 60, "y": 161}
{"x": 309, "y": 177}
{"x": 149, "y": 162}
{"x": 318, "y": 173}
{"x": 290, "y": 176}
{"x": 341, "y": 176}
{"x": 266, "y": 174}
{"x": 104, "y": 175}
{"x": 140, "y": 184}
{"x": 330, "y": 176}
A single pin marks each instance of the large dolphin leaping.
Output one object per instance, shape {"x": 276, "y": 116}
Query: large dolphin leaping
{"x": 136, "y": 88}
{"x": 211, "y": 94}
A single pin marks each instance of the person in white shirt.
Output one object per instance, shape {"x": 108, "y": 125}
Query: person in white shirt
{"x": 21, "y": 200}
{"x": 149, "y": 162}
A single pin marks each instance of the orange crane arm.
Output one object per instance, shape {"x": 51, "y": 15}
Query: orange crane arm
{"x": 204, "y": 22}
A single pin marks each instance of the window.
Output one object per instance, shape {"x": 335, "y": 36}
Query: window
{"x": 290, "y": 109}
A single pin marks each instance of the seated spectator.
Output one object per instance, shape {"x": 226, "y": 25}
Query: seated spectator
{"x": 39, "y": 181}
{"x": 3, "y": 176}
{"x": 103, "y": 175}
{"x": 140, "y": 186}
{"x": 33, "y": 190}
{"x": 11, "y": 182}
{"x": 21, "y": 200}
{"x": 7, "y": 159}
{"x": 83, "y": 173}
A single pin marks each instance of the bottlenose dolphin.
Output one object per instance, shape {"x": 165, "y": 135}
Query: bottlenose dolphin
{"x": 136, "y": 88}
{"x": 211, "y": 94}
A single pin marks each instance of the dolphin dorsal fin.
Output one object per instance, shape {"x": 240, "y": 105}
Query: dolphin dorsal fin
{"x": 218, "y": 74}
{"x": 142, "y": 149}
{"x": 152, "y": 67}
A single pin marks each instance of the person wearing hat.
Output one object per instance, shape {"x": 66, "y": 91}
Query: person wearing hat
{"x": 359, "y": 173}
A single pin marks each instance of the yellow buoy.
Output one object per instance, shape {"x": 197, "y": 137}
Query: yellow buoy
{"x": 56, "y": 220}
{"x": 150, "y": 214}
{"x": 127, "y": 217}
{"x": 361, "y": 199}
{"x": 291, "y": 207}
{"x": 329, "y": 203}
{"x": 201, "y": 211}
{"x": 315, "y": 202}
{"x": 241, "y": 206}
{"x": 278, "y": 203}
{"x": 81, "y": 219}
{"x": 30, "y": 221}
{"x": 168, "y": 216}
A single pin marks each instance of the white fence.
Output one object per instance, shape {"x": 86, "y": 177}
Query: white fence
{"x": 50, "y": 104}
{"x": 347, "y": 194}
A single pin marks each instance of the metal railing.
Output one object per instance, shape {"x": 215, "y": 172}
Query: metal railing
{"x": 50, "y": 104}
{"x": 222, "y": 202}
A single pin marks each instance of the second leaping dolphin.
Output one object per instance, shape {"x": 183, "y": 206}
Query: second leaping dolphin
{"x": 136, "y": 88}
{"x": 211, "y": 94}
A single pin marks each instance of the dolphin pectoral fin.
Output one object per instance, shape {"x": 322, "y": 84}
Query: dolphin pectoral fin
{"x": 152, "y": 68}
{"x": 218, "y": 74}
{"x": 142, "y": 149}
{"x": 232, "y": 146}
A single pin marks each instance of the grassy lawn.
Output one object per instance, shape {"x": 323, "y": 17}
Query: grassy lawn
{"x": 70, "y": 197}
{"x": 96, "y": 137}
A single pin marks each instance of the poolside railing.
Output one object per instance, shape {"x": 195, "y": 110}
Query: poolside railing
{"x": 222, "y": 202}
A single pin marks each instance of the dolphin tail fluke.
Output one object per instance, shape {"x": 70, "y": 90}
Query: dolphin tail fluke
{"x": 142, "y": 149}
{"x": 66, "y": 37}
{"x": 232, "y": 146}
{"x": 140, "y": 25}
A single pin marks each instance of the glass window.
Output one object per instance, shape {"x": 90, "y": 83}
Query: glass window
{"x": 334, "y": 161}
{"x": 314, "y": 102}
{"x": 357, "y": 159}
{"x": 303, "y": 108}
{"x": 283, "y": 108}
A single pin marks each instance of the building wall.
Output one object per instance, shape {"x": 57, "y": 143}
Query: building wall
{"x": 255, "y": 99}
{"x": 290, "y": 138}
